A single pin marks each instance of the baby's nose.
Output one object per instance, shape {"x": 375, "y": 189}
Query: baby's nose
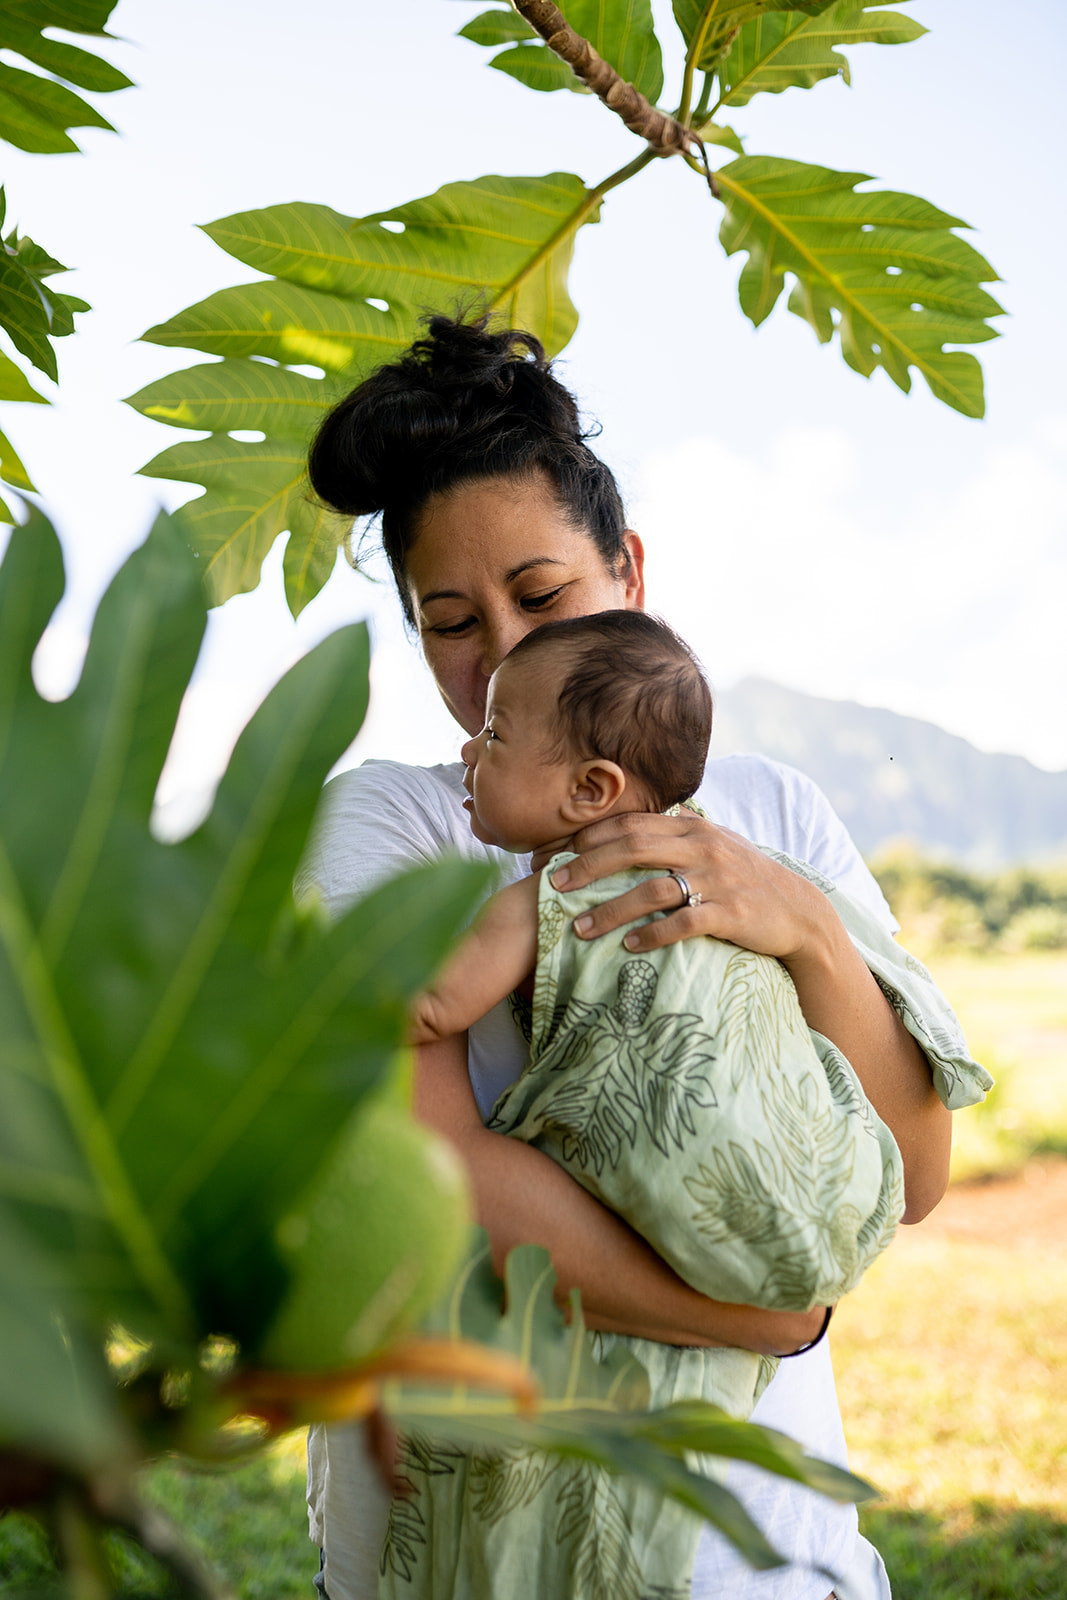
{"x": 469, "y": 753}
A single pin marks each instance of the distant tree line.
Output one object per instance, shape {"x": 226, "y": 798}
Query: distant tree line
{"x": 945, "y": 907}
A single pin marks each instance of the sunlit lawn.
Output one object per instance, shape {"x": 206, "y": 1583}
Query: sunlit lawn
{"x": 1014, "y": 1011}
{"x": 950, "y": 1360}
{"x": 950, "y": 1357}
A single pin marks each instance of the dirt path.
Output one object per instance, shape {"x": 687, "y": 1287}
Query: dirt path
{"x": 1028, "y": 1208}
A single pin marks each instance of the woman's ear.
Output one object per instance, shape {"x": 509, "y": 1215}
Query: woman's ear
{"x": 597, "y": 786}
{"x": 635, "y": 574}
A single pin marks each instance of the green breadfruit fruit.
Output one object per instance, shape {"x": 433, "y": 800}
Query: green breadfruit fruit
{"x": 372, "y": 1244}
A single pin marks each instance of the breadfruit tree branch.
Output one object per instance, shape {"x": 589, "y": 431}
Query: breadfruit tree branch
{"x": 666, "y": 136}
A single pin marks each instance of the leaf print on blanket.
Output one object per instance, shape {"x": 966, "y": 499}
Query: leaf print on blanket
{"x": 625, "y": 1073}
{"x": 813, "y": 1142}
{"x": 948, "y": 1043}
{"x": 506, "y": 1480}
{"x": 755, "y": 999}
{"x": 405, "y": 1538}
{"x": 418, "y": 1458}
{"x": 593, "y": 1522}
{"x": 733, "y": 1200}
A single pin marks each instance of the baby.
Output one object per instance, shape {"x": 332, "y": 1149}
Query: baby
{"x": 682, "y": 1087}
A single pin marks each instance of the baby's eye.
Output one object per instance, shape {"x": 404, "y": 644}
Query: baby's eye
{"x": 490, "y": 734}
{"x": 535, "y": 602}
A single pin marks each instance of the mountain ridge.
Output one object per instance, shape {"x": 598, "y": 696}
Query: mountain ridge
{"x": 892, "y": 777}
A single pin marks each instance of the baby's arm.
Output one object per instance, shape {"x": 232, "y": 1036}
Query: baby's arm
{"x": 489, "y": 962}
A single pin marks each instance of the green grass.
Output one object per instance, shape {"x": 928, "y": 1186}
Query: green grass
{"x": 249, "y": 1523}
{"x": 949, "y": 1358}
{"x": 1014, "y": 1013}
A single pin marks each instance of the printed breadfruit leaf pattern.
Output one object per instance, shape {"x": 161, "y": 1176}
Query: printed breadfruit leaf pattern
{"x": 734, "y": 1201}
{"x": 405, "y": 1537}
{"x": 948, "y": 1043}
{"x": 418, "y": 1458}
{"x": 505, "y": 1480}
{"x": 594, "y": 1523}
{"x": 624, "y": 1073}
{"x": 756, "y": 998}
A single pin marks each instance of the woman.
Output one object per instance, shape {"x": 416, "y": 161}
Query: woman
{"x": 497, "y": 516}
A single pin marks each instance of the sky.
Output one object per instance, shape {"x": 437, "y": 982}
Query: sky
{"x": 801, "y": 523}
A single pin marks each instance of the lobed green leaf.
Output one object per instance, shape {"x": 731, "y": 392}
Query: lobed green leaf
{"x": 11, "y": 468}
{"x": 29, "y": 314}
{"x": 235, "y": 394}
{"x": 709, "y": 27}
{"x": 253, "y": 491}
{"x": 786, "y": 50}
{"x": 882, "y": 269}
{"x": 74, "y": 16}
{"x": 593, "y": 1404}
{"x": 14, "y": 384}
{"x": 181, "y": 1047}
{"x": 64, "y": 60}
{"x": 35, "y": 111}
{"x": 345, "y": 294}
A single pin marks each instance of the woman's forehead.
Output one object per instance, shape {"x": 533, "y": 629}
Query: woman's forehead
{"x": 496, "y": 528}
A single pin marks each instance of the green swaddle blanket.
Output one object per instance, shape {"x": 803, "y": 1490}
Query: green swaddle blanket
{"x": 684, "y": 1089}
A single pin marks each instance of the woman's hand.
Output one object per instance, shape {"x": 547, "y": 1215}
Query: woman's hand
{"x": 745, "y": 897}
{"x": 757, "y": 903}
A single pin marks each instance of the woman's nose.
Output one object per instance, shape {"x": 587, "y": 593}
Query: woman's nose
{"x": 498, "y": 641}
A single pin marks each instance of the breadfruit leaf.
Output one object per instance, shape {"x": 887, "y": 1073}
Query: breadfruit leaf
{"x": 182, "y": 1047}
{"x": 885, "y": 271}
{"x": 790, "y": 49}
{"x": 343, "y": 294}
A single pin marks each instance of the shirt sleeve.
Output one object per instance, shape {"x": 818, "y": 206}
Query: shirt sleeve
{"x": 372, "y": 823}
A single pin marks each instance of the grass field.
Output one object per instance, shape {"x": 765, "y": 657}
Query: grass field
{"x": 1014, "y": 1012}
{"x": 950, "y": 1359}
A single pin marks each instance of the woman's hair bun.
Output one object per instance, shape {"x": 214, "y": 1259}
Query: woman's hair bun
{"x": 461, "y": 398}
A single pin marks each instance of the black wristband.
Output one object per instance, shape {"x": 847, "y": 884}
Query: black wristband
{"x": 811, "y": 1342}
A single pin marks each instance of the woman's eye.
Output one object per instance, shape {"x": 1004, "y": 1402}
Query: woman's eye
{"x": 450, "y": 629}
{"x": 535, "y": 602}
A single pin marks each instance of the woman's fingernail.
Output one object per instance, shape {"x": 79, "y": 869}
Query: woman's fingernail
{"x": 561, "y": 878}
{"x": 632, "y": 942}
{"x": 583, "y": 925}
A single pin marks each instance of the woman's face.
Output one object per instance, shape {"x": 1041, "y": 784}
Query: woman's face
{"x": 491, "y": 561}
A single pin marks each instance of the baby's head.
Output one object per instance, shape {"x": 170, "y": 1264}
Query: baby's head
{"x": 586, "y": 718}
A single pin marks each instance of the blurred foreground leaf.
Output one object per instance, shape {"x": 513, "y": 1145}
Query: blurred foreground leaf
{"x": 592, "y": 1409}
{"x": 182, "y": 1050}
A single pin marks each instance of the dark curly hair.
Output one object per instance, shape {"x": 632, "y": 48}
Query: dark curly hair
{"x": 464, "y": 403}
{"x": 632, "y": 693}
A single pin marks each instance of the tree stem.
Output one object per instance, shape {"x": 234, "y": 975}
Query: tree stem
{"x": 665, "y": 135}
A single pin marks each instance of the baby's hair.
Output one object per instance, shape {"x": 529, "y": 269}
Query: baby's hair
{"x": 465, "y": 403}
{"x": 632, "y": 693}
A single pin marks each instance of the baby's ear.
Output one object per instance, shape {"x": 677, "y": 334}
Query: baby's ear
{"x": 597, "y": 787}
